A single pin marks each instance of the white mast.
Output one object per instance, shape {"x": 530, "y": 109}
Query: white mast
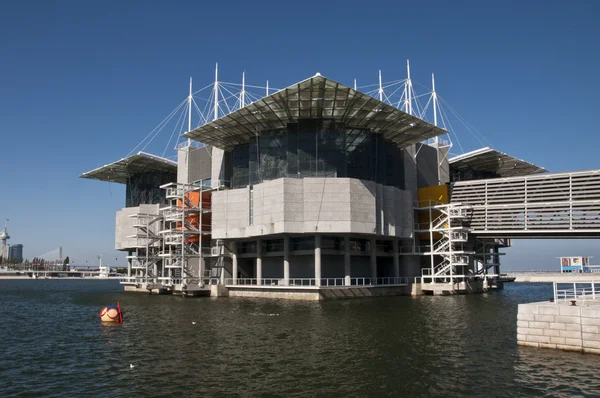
{"x": 216, "y": 115}
{"x": 437, "y": 139}
{"x": 354, "y": 84}
{"x": 408, "y": 89}
{"x": 267, "y": 88}
{"x": 243, "y": 93}
{"x": 434, "y": 98}
{"x": 190, "y": 112}
{"x": 380, "y": 87}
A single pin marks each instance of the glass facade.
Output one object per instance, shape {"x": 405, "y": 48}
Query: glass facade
{"x": 144, "y": 188}
{"x": 317, "y": 148}
{"x": 470, "y": 175}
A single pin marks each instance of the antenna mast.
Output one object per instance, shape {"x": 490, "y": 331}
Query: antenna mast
{"x": 354, "y": 84}
{"x": 267, "y": 88}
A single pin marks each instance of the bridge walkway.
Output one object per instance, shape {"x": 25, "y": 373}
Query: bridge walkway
{"x": 562, "y": 205}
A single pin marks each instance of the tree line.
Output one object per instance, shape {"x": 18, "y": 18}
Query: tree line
{"x": 37, "y": 263}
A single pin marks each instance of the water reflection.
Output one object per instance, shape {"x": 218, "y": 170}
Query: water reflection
{"x": 398, "y": 346}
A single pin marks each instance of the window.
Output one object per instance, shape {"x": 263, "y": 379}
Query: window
{"x": 332, "y": 243}
{"x": 272, "y": 245}
{"x": 246, "y": 247}
{"x": 317, "y": 148}
{"x": 302, "y": 243}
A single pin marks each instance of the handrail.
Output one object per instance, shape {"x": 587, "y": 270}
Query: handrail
{"x": 575, "y": 291}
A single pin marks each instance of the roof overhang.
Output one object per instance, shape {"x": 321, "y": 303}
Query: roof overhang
{"x": 491, "y": 160}
{"x": 320, "y": 98}
{"x": 121, "y": 170}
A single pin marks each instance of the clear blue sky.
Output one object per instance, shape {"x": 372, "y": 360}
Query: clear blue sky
{"x": 81, "y": 83}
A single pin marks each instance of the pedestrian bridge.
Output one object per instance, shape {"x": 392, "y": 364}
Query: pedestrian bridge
{"x": 556, "y": 205}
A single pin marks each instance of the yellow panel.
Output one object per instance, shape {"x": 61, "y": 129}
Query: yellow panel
{"x": 437, "y": 193}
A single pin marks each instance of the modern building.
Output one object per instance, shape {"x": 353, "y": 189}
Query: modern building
{"x": 578, "y": 264}
{"x": 15, "y": 252}
{"x": 322, "y": 191}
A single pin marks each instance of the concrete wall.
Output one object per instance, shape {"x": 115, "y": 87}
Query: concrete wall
{"x": 426, "y": 166}
{"x": 315, "y": 294}
{"x": 410, "y": 171}
{"x": 561, "y": 326}
{"x": 427, "y": 171}
{"x": 220, "y": 167}
{"x": 193, "y": 164}
{"x": 308, "y": 205}
{"x": 124, "y": 225}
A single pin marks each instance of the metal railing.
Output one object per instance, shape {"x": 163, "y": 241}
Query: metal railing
{"x": 576, "y": 291}
{"x": 427, "y": 278}
{"x": 324, "y": 282}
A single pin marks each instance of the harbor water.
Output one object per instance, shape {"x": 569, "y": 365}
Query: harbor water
{"x": 53, "y": 344}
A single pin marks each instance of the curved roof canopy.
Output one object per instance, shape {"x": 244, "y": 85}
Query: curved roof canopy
{"x": 315, "y": 97}
{"x": 491, "y": 160}
{"x": 120, "y": 170}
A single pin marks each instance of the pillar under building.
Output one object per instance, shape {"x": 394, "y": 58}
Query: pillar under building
{"x": 234, "y": 263}
{"x": 373, "y": 253}
{"x": 259, "y": 262}
{"x": 317, "y": 260}
{"x": 286, "y": 260}
{"x": 347, "y": 261}
{"x": 396, "y": 259}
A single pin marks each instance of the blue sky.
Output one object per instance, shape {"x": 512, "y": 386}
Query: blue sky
{"x": 81, "y": 83}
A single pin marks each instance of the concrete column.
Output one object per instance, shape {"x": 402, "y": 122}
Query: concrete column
{"x": 318, "y": 260}
{"x": 234, "y": 262}
{"x": 396, "y": 259}
{"x": 347, "y": 261}
{"x": 373, "y": 261}
{"x": 259, "y": 262}
{"x": 129, "y": 266}
{"x": 497, "y": 260}
{"x": 286, "y": 260}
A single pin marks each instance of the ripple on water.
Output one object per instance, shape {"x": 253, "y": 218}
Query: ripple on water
{"x": 54, "y": 345}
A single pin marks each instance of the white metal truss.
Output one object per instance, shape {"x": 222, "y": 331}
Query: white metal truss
{"x": 221, "y": 98}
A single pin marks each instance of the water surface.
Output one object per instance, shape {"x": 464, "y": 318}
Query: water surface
{"x": 53, "y": 344}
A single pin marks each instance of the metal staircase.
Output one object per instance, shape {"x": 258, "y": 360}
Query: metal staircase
{"x": 146, "y": 260}
{"x": 173, "y": 249}
{"x": 448, "y": 235}
{"x": 182, "y": 234}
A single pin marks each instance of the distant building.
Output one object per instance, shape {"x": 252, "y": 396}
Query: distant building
{"x": 15, "y": 252}
{"x": 577, "y": 264}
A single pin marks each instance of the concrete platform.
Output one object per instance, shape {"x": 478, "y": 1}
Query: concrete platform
{"x": 314, "y": 293}
{"x": 560, "y": 325}
{"x": 545, "y": 277}
{"x": 467, "y": 287}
